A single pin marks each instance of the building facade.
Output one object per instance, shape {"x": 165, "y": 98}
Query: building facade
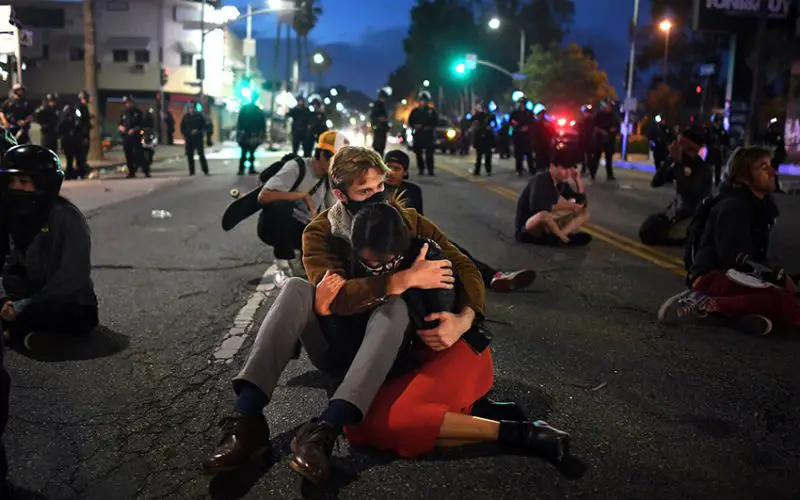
{"x": 148, "y": 49}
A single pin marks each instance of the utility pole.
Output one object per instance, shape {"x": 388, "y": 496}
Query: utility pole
{"x": 248, "y": 38}
{"x": 631, "y": 66}
{"x": 201, "y": 68}
{"x": 758, "y": 75}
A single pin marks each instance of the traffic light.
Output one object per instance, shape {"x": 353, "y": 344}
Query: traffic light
{"x": 164, "y": 76}
{"x": 698, "y": 90}
{"x": 245, "y": 91}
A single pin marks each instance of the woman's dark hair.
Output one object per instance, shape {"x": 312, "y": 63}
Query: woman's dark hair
{"x": 742, "y": 162}
{"x": 380, "y": 228}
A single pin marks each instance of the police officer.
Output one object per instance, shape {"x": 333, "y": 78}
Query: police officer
{"x": 774, "y": 139}
{"x": 74, "y": 140}
{"x": 251, "y": 131}
{"x": 660, "y": 135}
{"x": 197, "y": 130}
{"x": 483, "y": 125}
{"x": 522, "y": 122}
{"x": 16, "y": 115}
{"x": 504, "y": 138}
{"x": 423, "y": 120}
{"x": 607, "y": 127}
{"x": 586, "y": 139}
{"x": 47, "y": 116}
{"x": 150, "y": 118}
{"x": 718, "y": 146}
{"x": 301, "y": 118}
{"x": 379, "y": 118}
{"x": 319, "y": 121}
{"x": 543, "y": 135}
{"x": 466, "y": 128}
{"x": 131, "y": 122}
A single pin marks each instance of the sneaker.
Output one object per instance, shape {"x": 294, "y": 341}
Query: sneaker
{"x": 507, "y": 282}
{"x": 753, "y": 324}
{"x": 682, "y": 305}
{"x": 579, "y": 239}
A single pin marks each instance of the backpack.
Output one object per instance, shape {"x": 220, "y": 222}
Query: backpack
{"x": 655, "y": 229}
{"x": 276, "y": 167}
{"x": 696, "y": 229}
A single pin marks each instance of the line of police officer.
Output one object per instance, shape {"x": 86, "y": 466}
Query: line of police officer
{"x": 308, "y": 122}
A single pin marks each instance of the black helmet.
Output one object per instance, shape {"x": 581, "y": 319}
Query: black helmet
{"x": 50, "y": 96}
{"x": 127, "y": 99}
{"x": 424, "y": 95}
{"x": 37, "y": 161}
{"x": 83, "y": 95}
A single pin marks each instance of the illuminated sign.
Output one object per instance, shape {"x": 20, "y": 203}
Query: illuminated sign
{"x": 736, "y": 16}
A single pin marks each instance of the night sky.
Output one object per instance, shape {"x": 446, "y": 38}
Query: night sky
{"x": 372, "y": 32}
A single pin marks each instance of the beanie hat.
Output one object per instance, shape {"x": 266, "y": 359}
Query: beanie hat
{"x": 397, "y": 156}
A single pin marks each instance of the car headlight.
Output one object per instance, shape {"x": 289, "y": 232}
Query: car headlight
{"x": 451, "y": 134}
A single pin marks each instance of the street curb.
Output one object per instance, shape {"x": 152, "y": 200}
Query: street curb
{"x": 115, "y": 167}
{"x": 785, "y": 168}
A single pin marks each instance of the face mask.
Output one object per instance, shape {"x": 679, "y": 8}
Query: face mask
{"x": 385, "y": 268}
{"x": 20, "y": 202}
{"x": 354, "y": 206}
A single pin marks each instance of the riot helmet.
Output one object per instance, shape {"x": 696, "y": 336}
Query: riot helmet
{"x": 83, "y": 95}
{"x": 128, "y": 99}
{"x": 424, "y": 96}
{"x": 43, "y": 168}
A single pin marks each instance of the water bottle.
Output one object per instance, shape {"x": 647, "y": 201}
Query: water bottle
{"x": 160, "y": 214}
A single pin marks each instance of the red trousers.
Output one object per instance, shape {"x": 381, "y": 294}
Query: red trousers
{"x": 734, "y": 300}
{"x": 408, "y": 411}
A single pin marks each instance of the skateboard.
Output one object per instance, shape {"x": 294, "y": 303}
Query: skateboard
{"x": 242, "y": 207}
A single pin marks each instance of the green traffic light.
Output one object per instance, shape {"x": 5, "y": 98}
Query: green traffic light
{"x": 461, "y": 68}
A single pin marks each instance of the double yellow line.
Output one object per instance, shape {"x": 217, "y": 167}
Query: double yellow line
{"x": 653, "y": 255}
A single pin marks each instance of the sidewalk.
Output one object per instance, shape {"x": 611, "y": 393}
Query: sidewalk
{"x": 645, "y": 163}
{"x": 114, "y": 160}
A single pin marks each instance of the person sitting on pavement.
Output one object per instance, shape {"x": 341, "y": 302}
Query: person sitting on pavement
{"x": 362, "y": 360}
{"x": 549, "y": 210}
{"x": 693, "y": 181}
{"x": 411, "y": 194}
{"x": 432, "y": 399}
{"x": 46, "y": 283}
{"x": 732, "y": 238}
{"x": 288, "y": 206}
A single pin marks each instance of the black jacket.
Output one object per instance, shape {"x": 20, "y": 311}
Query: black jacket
{"x": 739, "y": 223}
{"x": 692, "y": 188}
{"x": 411, "y": 193}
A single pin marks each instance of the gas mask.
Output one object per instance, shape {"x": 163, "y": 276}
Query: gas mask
{"x": 383, "y": 269}
{"x": 354, "y": 206}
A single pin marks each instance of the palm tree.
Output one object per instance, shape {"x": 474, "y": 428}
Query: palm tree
{"x": 305, "y": 18}
{"x": 90, "y": 77}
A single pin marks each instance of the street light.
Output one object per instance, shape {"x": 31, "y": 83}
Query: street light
{"x": 494, "y": 24}
{"x": 404, "y": 102}
{"x": 318, "y": 58}
{"x": 666, "y": 26}
{"x": 461, "y": 68}
{"x": 426, "y": 83}
{"x": 334, "y": 92}
{"x": 279, "y": 4}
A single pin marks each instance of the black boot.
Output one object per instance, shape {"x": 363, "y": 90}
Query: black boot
{"x": 537, "y": 438}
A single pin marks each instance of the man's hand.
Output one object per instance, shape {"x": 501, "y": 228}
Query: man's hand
{"x": 430, "y": 274}
{"x": 327, "y": 290}
{"x": 7, "y": 312}
{"x": 310, "y": 204}
{"x": 451, "y": 328}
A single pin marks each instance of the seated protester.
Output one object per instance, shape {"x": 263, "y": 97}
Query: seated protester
{"x": 432, "y": 402}
{"x": 693, "y": 181}
{"x": 731, "y": 232}
{"x": 549, "y": 210}
{"x": 361, "y": 359}
{"x": 411, "y": 194}
{"x": 291, "y": 198}
{"x": 46, "y": 283}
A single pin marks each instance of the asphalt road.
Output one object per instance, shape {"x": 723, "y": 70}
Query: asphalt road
{"x": 654, "y": 412}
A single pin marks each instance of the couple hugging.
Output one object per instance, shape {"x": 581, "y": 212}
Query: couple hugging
{"x": 393, "y": 312}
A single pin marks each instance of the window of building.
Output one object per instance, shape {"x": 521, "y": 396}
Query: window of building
{"x": 38, "y": 17}
{"x": 141, "y": 56}
{"x": 187, "y": 59}
{"x": 45, "y": 51}
{"x": 120, "y": 55}
{"x": 76, "y": 54}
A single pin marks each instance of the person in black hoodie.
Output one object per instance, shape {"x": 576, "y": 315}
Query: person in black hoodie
{"x": 693, "y": 180}
{"x": 733, "y": 239}
{"x": 45, "y": 282}
{"x": 411, "y": 196}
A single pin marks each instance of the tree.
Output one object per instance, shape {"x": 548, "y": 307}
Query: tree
{"x": 90, "y": 77}
{"x": 305, "y": 19}
{"x": 565, "y": 76}
{"x": 663, "y": 100}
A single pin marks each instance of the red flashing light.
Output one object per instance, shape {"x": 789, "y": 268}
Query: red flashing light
{"x": 698, "y": 89}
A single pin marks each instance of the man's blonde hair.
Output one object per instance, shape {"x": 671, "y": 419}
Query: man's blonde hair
{"x": 351, "y": 164}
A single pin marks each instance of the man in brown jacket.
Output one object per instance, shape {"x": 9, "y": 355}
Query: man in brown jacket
{"x": 362, "y": 357}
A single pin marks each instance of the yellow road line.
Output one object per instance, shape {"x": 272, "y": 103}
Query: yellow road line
{"x": 654, "y": 256}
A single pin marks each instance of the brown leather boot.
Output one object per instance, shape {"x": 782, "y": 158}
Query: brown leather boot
{"x": 245, "y": 439}
{"x": 312, "y": 447}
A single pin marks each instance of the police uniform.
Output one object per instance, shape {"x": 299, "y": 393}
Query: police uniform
{"x": 251, "y": 132}
{"x": 74, "y": 134}
{"x": 82, "y": 110}
{"x": 379, "y": 118}
{"x": 18, "y": 112}
{"x": 483, "y": 125}
{"x": 319, "y": 122}
{"x": 465, "y": 125}
{"x": 47, "y": 116}
{"x": 718, "y": 147}
{"x": 543, "y": 135}
{"x": 196, "y": 129}
{"x": 774, "y": 139}
{"x": 586, "y": 137}
{"x": 301, "y": 120}
{"x": 522, "y": 123}
{"x": 423, "y": 120}
{"x": 131, "y": 122}
{"x": 607, "y": 126}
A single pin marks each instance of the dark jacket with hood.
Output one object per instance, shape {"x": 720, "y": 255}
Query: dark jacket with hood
{"x": 692, "y": 188}
{"x": 739, "y": 223}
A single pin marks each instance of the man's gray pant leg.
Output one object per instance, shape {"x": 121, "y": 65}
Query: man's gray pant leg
{"x": 291, "y": 318}
{"x": 385, "y": 333}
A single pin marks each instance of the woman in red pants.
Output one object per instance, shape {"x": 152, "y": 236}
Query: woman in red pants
{"x": 437, "y": 399}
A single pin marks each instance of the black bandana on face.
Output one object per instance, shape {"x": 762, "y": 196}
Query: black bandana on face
{"x": 354, "y": 206}
{"x": 384, "y": 268}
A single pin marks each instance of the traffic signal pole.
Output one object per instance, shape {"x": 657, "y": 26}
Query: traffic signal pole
{"x": 249, "y": 37}
{"x": 631, "y": 66}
